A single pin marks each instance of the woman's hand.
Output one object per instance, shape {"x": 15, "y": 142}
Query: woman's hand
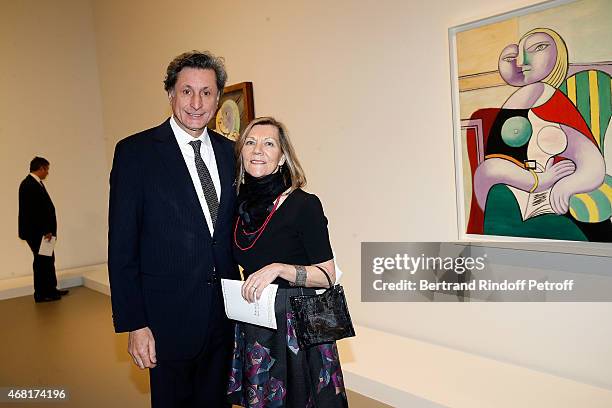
{"x": 553, "y": 173}
{"x": 560, "y": 196}
{"x": 257, "y": 282}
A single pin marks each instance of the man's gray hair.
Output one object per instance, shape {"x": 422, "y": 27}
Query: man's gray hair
{"x": 196, "y": 59}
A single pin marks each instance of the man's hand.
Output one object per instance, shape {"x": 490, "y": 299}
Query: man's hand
{"x": 141, "y": 347}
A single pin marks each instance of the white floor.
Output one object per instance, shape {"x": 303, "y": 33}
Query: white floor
{"x": 404, "y": 372}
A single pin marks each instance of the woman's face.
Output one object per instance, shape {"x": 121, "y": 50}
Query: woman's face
{"x": 529, "y": 61}
{"x": 261, "y": 154}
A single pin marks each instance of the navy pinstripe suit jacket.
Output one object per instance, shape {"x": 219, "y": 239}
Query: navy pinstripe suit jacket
{"x": 161, "y": 257}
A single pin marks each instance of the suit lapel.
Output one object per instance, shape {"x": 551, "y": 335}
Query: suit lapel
{"x": 176, "y": 170}
{"x": 41, "y": 188}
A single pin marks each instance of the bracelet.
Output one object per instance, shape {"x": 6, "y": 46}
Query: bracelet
{"x": 535, "y": 181}
{"x": 300, "y": 276}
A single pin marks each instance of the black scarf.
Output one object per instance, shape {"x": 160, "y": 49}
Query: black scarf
{"x": 256, "y": 198}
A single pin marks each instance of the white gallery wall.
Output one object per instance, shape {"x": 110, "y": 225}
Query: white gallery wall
{"x": 50, "y": 107}
{"x": 364, "y": 88}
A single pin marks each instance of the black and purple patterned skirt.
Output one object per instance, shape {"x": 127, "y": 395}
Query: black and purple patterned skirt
{"x": 270, "y": 370}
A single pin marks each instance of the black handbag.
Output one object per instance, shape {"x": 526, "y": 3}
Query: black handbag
{"x": 322, "y": 318}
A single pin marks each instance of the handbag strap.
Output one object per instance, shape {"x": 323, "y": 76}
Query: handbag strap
{"x": 325, "y": 273}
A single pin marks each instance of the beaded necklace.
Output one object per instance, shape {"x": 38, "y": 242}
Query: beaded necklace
{"x": 259, "y": 230}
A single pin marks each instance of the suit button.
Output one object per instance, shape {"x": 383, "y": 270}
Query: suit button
{"x": 214, "y": 242}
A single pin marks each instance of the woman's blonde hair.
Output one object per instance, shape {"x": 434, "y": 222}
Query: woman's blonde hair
{"x": 559, "y": 71}
{"x": 296, "y": 173}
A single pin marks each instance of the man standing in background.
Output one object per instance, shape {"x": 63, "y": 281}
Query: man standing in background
{"x": 169, "y": 242}
{"x": 37, "y": 220}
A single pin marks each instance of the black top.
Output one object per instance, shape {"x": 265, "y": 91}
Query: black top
{"x": 495, "y": 142}
{"x": 295, "y": 235}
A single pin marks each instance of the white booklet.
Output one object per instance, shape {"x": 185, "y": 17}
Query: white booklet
{"x": 260, "y": 313}
{"x": 47, "y": 247}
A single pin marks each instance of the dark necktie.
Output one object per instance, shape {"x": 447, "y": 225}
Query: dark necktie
{"x": 206, "y": 180}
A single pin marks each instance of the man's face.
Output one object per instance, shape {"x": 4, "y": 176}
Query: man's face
{"x": 194, "y": 99}
{"x": 43, "y": 172}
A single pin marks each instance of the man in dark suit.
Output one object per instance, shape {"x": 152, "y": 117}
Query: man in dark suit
{"x": 37, "y": 220}
{"x": 171, "y": 207}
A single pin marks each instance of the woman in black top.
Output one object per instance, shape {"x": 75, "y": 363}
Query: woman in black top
{"x": 280, "y": 234}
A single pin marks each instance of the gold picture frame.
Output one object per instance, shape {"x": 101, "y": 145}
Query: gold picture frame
{"x": 235, "y": 110}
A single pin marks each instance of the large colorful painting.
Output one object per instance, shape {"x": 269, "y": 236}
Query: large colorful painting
{"x": 533, "y": 133}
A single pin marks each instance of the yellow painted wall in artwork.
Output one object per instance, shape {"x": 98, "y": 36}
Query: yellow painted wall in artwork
{"x": 478, "y": 49}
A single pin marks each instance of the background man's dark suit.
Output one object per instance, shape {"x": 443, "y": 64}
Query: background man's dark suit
{"x": 163, "y": 264}
{"x": 37, "y": 218}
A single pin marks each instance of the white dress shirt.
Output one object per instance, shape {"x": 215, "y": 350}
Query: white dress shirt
{"x": 36, "y": 178}
{"x": 208, "y": 155}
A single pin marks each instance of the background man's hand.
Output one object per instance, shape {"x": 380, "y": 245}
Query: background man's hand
{"x": 141, "y": 346}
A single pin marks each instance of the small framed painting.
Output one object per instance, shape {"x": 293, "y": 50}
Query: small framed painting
{"x": 235, "y": 111}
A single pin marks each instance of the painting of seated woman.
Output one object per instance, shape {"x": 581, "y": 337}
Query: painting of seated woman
{"x": 536, "y": 158}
